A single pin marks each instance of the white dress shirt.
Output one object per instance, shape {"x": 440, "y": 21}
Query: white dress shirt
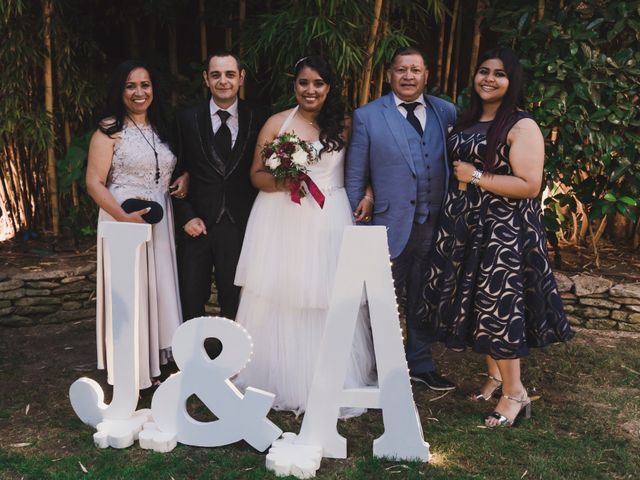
{"x": 232, "y": 121}
{"x": 420, "y": 111}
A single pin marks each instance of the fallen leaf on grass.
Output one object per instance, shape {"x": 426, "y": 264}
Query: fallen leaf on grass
{"x": 82, "y": 467}
{"x": 20, "y": 445}
{"x": 524, "y": 474}
{"x": 441, "y": 396}
{"x": 396, "y": 466}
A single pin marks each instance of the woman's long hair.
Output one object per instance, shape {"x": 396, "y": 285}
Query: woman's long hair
{"x": 512, "y": 101}
{"x": 331, "y": 115}
{"x": 113, "y": 117}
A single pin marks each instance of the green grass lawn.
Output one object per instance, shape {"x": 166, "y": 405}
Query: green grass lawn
{"x": 585, "y": 424}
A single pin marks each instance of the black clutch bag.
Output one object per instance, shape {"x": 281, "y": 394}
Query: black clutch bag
{"x": 152, "y": 216}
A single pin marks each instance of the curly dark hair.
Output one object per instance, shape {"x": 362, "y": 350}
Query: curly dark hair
{"x": 513, "y": 101}
{"x": 331, "y": 115}
{"x": 116, "y": 110}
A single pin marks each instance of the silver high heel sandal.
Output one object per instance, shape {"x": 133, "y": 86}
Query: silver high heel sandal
{"x": 478, "y": 395}
{"x": 525, "y": 404}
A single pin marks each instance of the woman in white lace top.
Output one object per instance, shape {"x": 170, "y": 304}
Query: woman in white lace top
{"x": 130, "y": 157}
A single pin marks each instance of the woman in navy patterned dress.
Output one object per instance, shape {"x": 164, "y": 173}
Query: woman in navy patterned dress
{"x": 490, "y": 285}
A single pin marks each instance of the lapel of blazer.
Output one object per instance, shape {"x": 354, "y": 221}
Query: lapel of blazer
{"x": 245, "y": 118}
{"x": 395, "y": 122}
{"x": 205, "y": 133}
{"x": 440, "y": 116}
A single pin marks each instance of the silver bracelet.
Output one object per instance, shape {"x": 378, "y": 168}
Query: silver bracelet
{"x": 475, "y": 177}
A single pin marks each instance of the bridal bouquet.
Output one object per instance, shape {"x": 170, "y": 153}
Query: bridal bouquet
{"x": 288, "y": 157}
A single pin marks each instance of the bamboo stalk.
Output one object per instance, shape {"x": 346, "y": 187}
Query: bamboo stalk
{"x": 19, "y": 195}
{"x": 477, "y": 35}
{"x": 228, "y": 35}
{"x": 134, "y": 43}
{"x": 379, "y": 82}
{"x": 540, "y": 9}
{"x": 47, "y": 9}
{"x": 10, "y": 211}
{"x": 242, "y": 15}
{"x": 204, "y": 52}
{"x": 594, "y": 244}
{"x": 173, "y": 58}
{"x": 440, "y": 54}
{"x": 456, "y": 62}
{"x": 452, "y": 33}
{"x": 371, "y": 43}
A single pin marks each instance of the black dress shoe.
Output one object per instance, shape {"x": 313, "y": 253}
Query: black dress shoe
{"x": 434, "y": 381}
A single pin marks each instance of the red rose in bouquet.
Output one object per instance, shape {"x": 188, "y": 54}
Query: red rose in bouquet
{"x": 288, "y": 157}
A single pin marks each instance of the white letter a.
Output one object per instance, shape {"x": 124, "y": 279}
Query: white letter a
{"x": 363, "y": 263}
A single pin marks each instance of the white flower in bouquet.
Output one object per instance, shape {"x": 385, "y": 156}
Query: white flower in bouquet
{"x": 273, "y": 162}
{"x": 300, "y": 157}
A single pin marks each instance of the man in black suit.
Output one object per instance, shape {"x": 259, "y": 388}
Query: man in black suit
{"x": 216, "y": 142}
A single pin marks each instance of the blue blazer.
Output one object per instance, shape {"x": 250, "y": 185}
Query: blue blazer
{"x": 379, "y": 154}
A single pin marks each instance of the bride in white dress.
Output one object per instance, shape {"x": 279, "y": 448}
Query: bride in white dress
{"x": 290, "y": 252}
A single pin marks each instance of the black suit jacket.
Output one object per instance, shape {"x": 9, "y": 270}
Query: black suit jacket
{"x": 216, "y": 186}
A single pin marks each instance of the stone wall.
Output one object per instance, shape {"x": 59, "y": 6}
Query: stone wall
{"x": 598, "y": 303}
{"x": 48, "y": 296}
{"x": 55, "y": 296}
{"x": 63, "y": 295}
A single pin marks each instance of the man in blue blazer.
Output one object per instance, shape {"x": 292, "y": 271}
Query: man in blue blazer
{"x": 398, "y": 145}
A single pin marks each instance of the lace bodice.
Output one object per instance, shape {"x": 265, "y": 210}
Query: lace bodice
{"x": 133, "y": 167}
{"x": 328, "y": 172}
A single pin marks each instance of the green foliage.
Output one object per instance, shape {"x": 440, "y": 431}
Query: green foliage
{"x": 336, "y": 29}
{"x": 72, "y": 167}
{"x": 583, "y": 67}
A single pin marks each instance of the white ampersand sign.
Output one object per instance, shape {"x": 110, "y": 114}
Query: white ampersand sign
{"x": 239, "y": 417}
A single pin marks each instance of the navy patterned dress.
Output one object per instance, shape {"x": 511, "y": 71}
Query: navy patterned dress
{"x": 489, "y": 284}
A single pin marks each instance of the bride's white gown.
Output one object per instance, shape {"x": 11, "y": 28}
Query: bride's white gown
{"x": 286, "y": 271}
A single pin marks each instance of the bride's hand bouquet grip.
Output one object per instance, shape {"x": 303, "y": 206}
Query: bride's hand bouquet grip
{"x": 288, "y": 158}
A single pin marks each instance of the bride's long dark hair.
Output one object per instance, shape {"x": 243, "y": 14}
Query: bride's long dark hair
{"x": 331, "y": 115}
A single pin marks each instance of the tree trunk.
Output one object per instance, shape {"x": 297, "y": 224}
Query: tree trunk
{"x": 371, "y": 44}
{"x": 452, "y": 36}
{"x": 477, "y": 35}
{"x": 440, "y": 53}
{"x": 47, "y": 9}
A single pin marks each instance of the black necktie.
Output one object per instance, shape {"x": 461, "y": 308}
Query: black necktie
{"x": 411, "y": 116}
{"x": 223, "y": 137}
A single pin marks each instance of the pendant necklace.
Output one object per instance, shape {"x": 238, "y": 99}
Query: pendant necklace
{"x": 313, "y": 123}
{"x": 153, "y": 146}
